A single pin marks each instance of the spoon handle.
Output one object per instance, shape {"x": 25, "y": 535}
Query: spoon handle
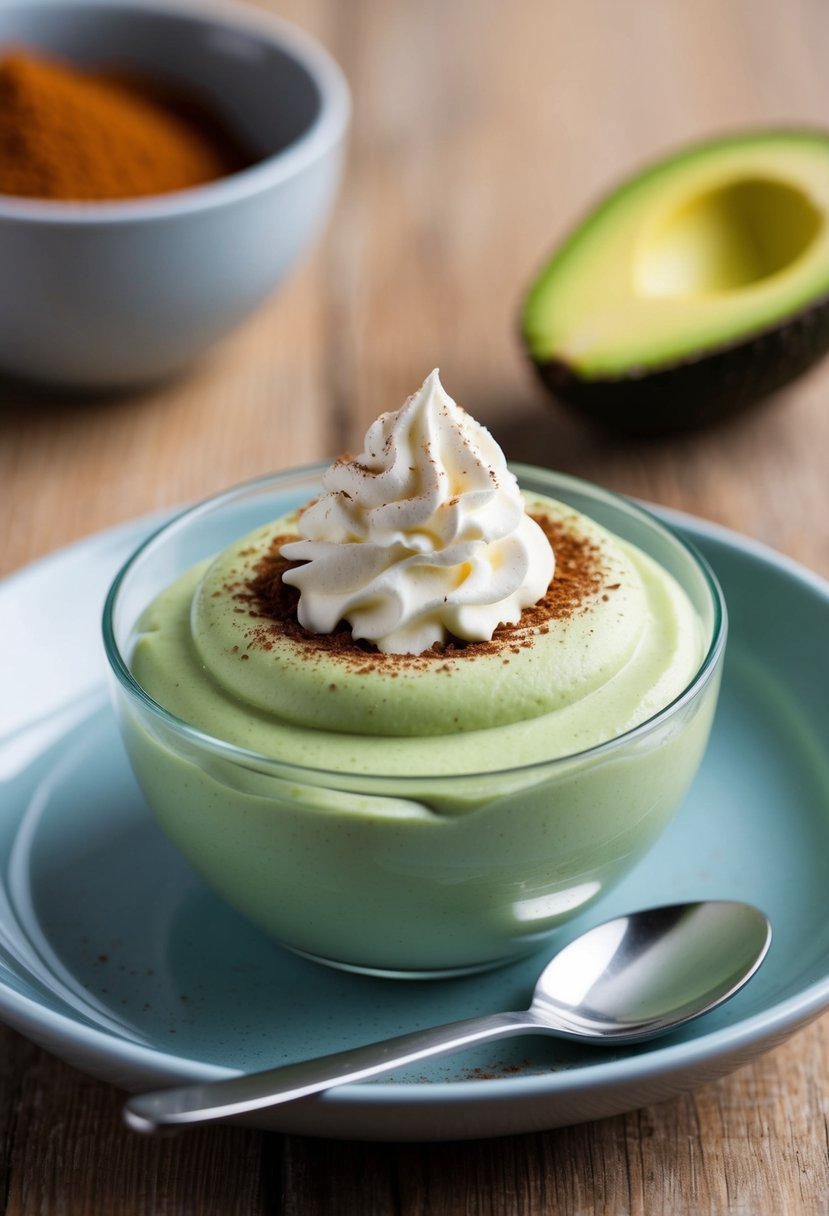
{"x": 202, "y": 1103}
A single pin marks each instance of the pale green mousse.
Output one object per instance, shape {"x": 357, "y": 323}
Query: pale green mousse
{"x": 477, "y": 823}
{"x": 554, "y": 687}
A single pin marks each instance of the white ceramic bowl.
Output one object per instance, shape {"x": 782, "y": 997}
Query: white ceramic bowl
{"x": 104, "y": 295}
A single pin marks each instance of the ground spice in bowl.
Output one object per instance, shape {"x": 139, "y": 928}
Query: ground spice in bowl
{"x": 82, "y": 136}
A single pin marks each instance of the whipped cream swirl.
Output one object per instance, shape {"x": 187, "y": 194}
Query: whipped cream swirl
{"x": 422, "y": 538}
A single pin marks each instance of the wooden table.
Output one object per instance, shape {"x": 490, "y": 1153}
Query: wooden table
{"x": 481, "y": 130}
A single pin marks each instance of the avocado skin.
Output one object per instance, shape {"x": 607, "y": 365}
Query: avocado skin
{"x": 702, "y": 389}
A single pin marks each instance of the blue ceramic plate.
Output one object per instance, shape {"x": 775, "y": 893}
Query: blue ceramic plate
{"x": 115, "y": 956}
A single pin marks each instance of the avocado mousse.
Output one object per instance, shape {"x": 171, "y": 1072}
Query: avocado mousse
{"x": 415, "y": 617}
{"x": 419, "y": 715}
{"x": 697, "y": 288}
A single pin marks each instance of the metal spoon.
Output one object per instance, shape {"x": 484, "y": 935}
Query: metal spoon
{"x": 629, "y": 979}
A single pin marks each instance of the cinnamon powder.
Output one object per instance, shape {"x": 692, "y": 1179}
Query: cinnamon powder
{"x": 73, "y": 135}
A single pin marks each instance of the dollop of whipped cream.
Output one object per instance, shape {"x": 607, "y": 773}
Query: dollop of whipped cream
{"x": 422, "y": 538}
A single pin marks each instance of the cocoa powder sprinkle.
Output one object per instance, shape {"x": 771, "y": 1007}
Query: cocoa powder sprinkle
{"x": 272, "y": 605}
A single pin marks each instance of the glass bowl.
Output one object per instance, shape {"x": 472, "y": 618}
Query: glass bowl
{"x": 408, "y": 873}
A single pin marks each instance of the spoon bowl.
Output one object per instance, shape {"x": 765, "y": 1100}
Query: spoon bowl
{"x": 629, "y": 979}
{"x": 642, "y": 975}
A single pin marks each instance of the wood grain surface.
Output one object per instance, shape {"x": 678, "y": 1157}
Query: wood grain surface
{"x": 481, "y": 131}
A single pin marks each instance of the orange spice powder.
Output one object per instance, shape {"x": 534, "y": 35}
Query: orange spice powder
{"x": 72, "y": 135}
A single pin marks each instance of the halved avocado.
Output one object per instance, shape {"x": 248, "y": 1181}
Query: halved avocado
{"x": 698, "y": 287}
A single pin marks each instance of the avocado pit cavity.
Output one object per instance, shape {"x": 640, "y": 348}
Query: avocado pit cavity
{"x": 731, "y": 238}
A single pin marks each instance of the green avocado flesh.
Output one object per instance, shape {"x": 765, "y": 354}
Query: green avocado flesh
{"x": 706, "y": 276}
